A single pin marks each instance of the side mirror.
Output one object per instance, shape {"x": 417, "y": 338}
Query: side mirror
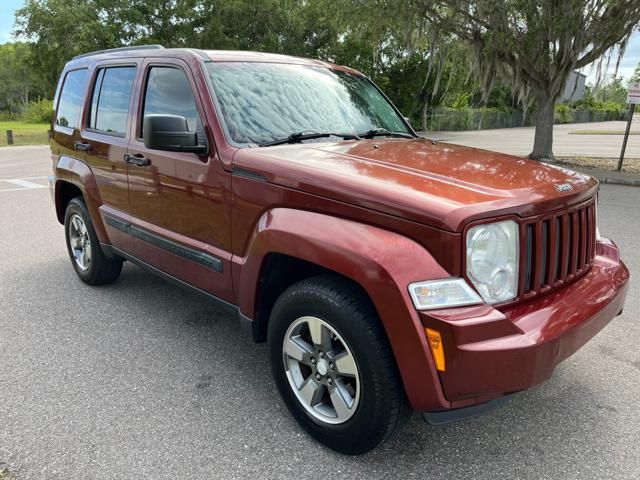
{"x": 170, "y": 132}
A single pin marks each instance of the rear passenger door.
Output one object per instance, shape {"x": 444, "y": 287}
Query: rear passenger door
{"x": 105, "y": 137}
{"x": 179, "y": 217}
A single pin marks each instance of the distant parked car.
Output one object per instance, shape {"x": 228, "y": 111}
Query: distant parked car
{"x": 388, "y": 273}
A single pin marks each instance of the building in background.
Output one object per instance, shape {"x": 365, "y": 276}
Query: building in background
{"x": 574, "y": 87}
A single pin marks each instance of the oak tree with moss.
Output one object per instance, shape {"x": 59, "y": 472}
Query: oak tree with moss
{"x": 535, "y": 44}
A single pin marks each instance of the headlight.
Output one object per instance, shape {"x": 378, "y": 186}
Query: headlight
{"x": 492, "y": 260}
{"x": 444, "y": 293}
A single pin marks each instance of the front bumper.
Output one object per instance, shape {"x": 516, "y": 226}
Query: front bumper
{"x": 491, "y": 352}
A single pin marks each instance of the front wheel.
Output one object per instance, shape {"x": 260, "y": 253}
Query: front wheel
{"x": 333, "y": 365}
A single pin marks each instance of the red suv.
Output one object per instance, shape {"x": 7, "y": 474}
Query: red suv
{"x": 387, "y": 272}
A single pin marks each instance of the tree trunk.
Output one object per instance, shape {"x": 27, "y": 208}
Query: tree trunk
{"x": 543, "y": 140}
{"x": 424, "y": 113}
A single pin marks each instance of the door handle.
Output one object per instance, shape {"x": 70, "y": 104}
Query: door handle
{"x": 81, "y": 146}
{"x": 137, "y": 159}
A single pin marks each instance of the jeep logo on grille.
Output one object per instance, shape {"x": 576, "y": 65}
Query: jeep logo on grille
{"x": 563, "y": 187}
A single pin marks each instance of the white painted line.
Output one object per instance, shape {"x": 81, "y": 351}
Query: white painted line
{"x": 17, "y": 189}
{"x": 22, "y": 183}
{"x": 25, "y": 183}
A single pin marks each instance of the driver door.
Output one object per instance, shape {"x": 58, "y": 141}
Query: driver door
{"x": 180, "y": 222}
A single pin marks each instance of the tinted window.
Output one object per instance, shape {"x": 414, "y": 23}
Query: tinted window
{"x": 110, "y": 101}
{"x": 169, "y": 92}
{"x": 70, "y": 104}
{"x": 261, "y": 102}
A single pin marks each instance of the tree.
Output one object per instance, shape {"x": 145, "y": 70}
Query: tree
{"x": 19, "y": 84}
{"x": 392, "y": 44}
{"x": 534, "y": 44}
{"x": 636, "y": 74}
{"x": 611, "y": 89}
{"x": 59, "y": 29}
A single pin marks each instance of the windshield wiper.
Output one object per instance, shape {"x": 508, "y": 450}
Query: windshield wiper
{"x": 383, "y": 132}
{"x": 301, "y": 136}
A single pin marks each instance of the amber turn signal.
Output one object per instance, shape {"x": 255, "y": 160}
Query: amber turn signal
{"x": 437, "y": 350}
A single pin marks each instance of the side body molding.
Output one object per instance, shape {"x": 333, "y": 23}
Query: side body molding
{"x": 79, "y": 174}
{"x": 380, "y": 261}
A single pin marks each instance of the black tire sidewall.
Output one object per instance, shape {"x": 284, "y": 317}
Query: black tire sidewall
{"x": 369, "y": 424}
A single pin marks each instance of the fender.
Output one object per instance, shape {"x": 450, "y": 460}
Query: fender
{"x": 79, "y": 174}
{"x": 380, "y": 261}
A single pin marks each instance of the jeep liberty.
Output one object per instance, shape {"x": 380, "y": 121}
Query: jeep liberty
{"x": 387, "y": 273}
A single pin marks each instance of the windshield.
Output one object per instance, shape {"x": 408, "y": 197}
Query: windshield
{"x": 264, "y": 102}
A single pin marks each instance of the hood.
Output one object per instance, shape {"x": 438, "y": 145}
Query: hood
{"x": 438, "y": 184}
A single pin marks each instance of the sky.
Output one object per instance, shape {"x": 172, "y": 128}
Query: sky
{"x": 630, "y": 59}
{"x": 7, "y": 11}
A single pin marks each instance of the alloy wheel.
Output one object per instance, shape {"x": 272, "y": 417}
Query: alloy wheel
{"x": 321, "y": 370}
{"x": 80, "y": 242}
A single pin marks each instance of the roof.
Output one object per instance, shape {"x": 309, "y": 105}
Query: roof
{"x": 208, "y": 55}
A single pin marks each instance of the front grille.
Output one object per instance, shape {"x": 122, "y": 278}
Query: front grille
{"x": 556, "y": 249}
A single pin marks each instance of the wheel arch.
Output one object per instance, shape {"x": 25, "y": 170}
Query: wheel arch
{"x": 75, "y": 178}
{"x": 65, "y": 191}
{"x": 380, "y": 262}
{"x": 280, "y": 271}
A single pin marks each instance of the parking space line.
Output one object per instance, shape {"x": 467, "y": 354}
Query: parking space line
{"x": 22, "y": 183}
{"x": 17, "y": 189}
{"x": 25, "y": 183}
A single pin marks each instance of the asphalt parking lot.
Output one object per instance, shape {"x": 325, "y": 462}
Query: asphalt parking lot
{"x": 141, "y": 379}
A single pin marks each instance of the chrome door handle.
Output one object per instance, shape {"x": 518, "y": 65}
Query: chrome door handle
{"x": 81, "y": 146}
{"x": 138, "y": 160}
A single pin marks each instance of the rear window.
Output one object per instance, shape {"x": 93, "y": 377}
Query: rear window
{"x": 70, "y": 104}
{"x": 110, "y": 100}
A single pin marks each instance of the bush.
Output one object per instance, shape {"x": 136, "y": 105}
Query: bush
{"x": 39, "y": 111}
{"x": 475, "y": 119}
{"x": 467, "y": 118}
{"x": 564, "y": 113}
{"x": 584, "y": 111}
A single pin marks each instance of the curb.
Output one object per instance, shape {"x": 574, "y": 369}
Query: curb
{"x": 604, "y": 176}
{"x": 619, "y": 181}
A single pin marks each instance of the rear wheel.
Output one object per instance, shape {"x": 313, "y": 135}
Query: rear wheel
{"x": 86, "y": 256}
{"x": 333, "y": 365}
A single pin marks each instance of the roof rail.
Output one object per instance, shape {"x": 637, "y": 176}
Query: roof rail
{"x": 121, "y": 49}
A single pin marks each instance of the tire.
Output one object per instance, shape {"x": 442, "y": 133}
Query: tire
{"x": 369, "y": 384}
{"x": 92, "y": 268}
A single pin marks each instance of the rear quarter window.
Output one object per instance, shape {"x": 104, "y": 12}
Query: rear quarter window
{"x": 71, "y": 97}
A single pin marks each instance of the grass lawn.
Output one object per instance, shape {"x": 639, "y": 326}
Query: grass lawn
{"x": 5, "y": 474}
{"x": 601, "y": 132}
{"x": 631, "y": 165}
{"x": 24, "y": 133}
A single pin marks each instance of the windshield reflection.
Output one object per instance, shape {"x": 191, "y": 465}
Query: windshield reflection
{"x": 263, "y": 102}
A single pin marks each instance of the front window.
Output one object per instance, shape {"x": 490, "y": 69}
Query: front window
{"x": 168, "y": 92}
{"x": 264, "y": 102}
